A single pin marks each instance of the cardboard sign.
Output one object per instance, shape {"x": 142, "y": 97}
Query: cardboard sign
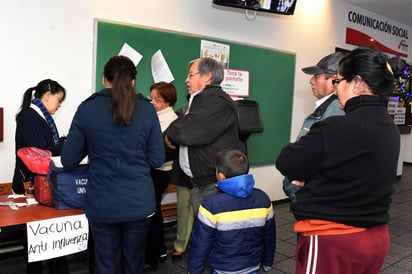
{"x": 57, "y": 237}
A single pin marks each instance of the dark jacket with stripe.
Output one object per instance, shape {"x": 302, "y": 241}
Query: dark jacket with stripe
{"x": 235, "y": 229}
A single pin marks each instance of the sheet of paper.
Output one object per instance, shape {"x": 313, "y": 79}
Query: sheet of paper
{"x": 15, "y": 196}
{"x": 160, "y": 69}
{"x": 130, "y": 52}
{"x": 31, "y": 201}
{"x": 9, "y": 203}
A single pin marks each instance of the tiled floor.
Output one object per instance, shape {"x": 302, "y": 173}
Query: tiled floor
{"x": 399, "y": 259}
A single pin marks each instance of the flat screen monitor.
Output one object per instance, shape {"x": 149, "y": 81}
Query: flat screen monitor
{"x": 286, "y": 7}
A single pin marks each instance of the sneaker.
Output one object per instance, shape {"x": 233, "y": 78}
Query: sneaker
{"x": 163, "y": 257}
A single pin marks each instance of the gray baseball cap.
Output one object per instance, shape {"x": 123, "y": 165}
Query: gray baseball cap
{"x": 328, "y": 65}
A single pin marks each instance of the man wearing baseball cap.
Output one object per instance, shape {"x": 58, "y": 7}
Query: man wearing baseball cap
{"x": 326, "y": 105}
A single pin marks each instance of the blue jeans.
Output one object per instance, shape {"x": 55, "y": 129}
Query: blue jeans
{"x": 120, "y": 247}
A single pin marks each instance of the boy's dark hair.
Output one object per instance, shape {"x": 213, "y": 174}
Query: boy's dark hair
{"x": 232, "y": 163}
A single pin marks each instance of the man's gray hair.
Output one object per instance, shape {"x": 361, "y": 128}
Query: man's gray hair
{"x": 208, "y": 64}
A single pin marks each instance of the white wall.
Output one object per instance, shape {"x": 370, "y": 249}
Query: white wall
{"x": 54, "y": 39}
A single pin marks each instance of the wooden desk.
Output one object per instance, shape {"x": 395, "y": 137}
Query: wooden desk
{"x": 10, "y": 218}
{"x": 15, "y": 220}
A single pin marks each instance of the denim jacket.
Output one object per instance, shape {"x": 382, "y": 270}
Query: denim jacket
{"x": 328, "y": 108}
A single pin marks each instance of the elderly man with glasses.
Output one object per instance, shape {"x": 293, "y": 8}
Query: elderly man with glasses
{"x": 323, "y": 88}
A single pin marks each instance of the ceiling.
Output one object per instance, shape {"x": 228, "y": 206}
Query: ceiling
{"x": 398, "y": 10}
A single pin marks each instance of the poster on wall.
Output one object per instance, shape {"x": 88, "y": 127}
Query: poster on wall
{"x": 368, "y": 29}
{"x": 217, "y": 51}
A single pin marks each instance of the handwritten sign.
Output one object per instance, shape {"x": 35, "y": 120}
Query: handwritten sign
{"x": 236, "y": 82}
{"x": 57, "y": 237}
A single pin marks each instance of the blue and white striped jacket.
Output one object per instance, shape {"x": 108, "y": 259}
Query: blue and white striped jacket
{"x": 235, "y": 231}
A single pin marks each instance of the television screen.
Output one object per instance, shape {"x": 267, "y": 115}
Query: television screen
{"x": 286, "y": 7}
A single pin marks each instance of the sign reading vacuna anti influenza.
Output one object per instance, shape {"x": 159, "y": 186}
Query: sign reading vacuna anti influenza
{"x": 57, "y": 237}
{"x": 368, "y": 29}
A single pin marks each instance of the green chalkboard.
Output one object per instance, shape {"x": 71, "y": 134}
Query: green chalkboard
{"x": 271, "y": 75}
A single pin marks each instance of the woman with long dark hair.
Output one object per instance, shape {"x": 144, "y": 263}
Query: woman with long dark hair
{"x": 120, "y": 132}
{"x": 35, "y": 127}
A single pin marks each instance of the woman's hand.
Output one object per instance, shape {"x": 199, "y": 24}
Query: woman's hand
{"x": 298, "y": 183}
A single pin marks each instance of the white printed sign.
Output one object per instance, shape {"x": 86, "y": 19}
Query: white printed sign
{"x": 392, "y": 106}
{"x": 399, "y": 116}
{"x": 236, "y": 82}
{"x": 57, "y": 237}
{"x": 219, "y": 52}
{"x": 365, "y": 28}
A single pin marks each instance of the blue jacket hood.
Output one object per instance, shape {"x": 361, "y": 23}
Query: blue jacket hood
{"x": 240, "y": 186}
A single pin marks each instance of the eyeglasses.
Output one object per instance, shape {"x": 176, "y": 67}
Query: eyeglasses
{"x": 191, "y": 74}
{"x": 157, "y": 100}
{"x": 337, "y": 80}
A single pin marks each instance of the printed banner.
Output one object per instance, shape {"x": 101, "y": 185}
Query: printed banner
{"x": 368, "y": 29}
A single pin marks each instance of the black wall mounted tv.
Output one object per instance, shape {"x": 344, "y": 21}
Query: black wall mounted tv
{"x": 286, "y": 7}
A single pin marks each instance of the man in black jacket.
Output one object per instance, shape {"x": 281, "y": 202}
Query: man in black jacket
{"x": 327, "y": 104}
{"x": 207, "y": 127}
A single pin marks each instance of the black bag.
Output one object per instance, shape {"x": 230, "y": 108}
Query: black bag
{"x": 69, "y": 187}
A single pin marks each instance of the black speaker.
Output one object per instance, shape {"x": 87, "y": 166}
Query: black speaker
{"x": 250, "y": 119}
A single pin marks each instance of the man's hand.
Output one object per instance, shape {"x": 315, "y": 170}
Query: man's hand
{"x": 169, "y": 144}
